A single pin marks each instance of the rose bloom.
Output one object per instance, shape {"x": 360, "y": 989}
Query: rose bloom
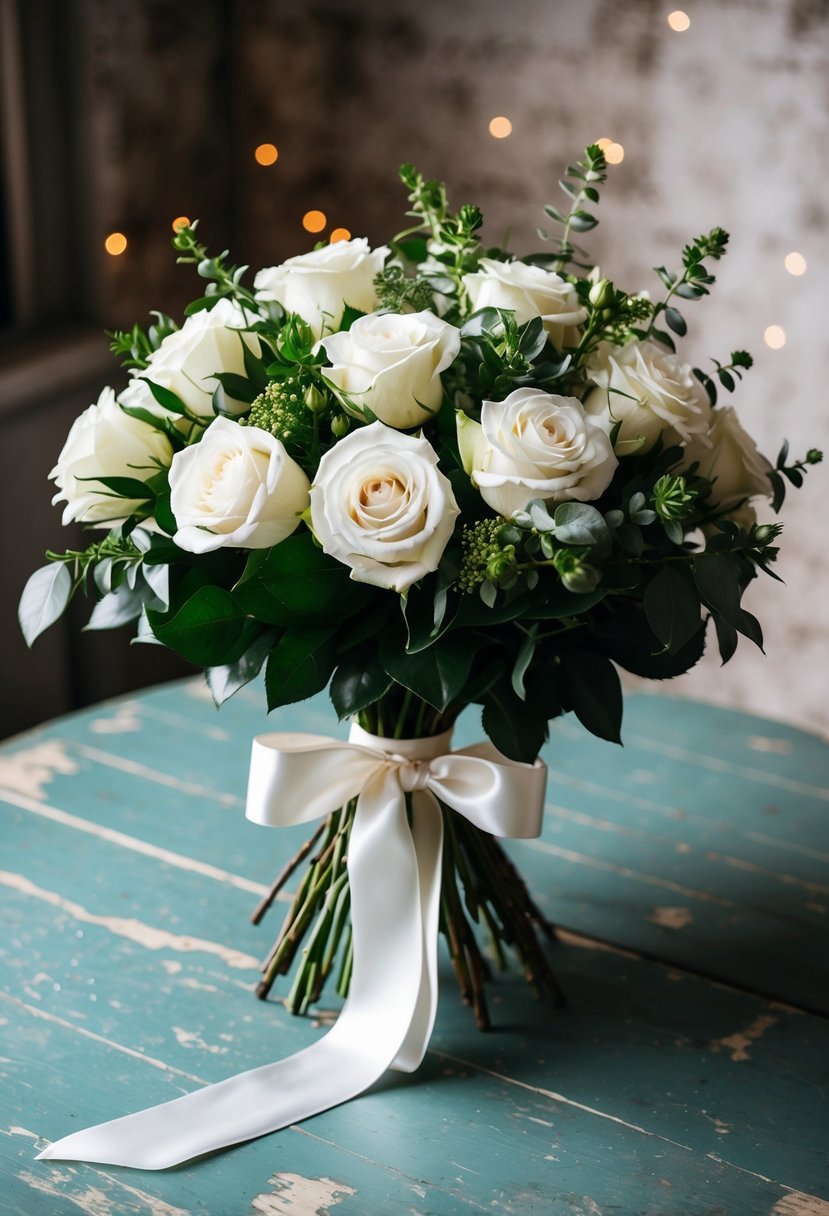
{"x": 391, "y": 363}
{"x": 187, "y": 361}
{"x": 380, "y": 505}
{"x": 529, "y": 291}
{"x": 319, "y": 285}
{"x": 648, "y": 389}
{"x": 535, "y": 444}
{"x": 106, "y": 442}
{"x": 729, "y": 458}
{"x": 236, "y": 487}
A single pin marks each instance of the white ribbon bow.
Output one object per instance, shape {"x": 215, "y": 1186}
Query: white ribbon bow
{"x": 394, "y": 877}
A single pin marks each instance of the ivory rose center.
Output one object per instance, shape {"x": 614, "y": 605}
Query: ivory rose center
{"x": 380, "y": 505}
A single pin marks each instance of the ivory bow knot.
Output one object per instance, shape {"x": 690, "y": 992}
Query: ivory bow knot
{"x": 394, "y": 879}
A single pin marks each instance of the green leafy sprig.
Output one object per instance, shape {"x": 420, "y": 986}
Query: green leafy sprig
{"x": 691, "y": 283}
{"x": 224, "y": 281}
{"x": 587, "y": 175}
{"x": 741, "y": 361}
{"x": 793, "y": 473}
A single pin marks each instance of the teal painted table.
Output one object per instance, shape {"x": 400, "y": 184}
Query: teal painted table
{"x": 688, "y": 1075}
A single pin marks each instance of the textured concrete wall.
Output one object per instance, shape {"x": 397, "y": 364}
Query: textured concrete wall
{"x": 723, "y": 124}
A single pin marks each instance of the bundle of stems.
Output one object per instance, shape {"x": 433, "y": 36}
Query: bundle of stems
{"x": 481, "y": 891}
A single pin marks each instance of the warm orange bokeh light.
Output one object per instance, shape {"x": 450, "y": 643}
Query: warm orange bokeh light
{"x": 679, "y": 21}
{"x": 115, "y": 243}
{"x": 614, "y": 153}
{"x": 339, "y": 234}
{"x": 266, "y": 154}
{"x": 314, "y": 221}
{"x": 181, "y": 221}
{"x": 500, "y": 127}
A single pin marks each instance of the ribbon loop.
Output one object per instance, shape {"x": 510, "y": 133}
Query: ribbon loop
{"x": 394, "y": 869}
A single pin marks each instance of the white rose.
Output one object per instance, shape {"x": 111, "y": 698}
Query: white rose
{"x": 649, "y": 390}
{"x": 728, "y": 457}
{"x": 319, "y": 285}
{"x": 391, "y": 363}
{"x": 237, "y": 487}
{"x": 535, "y": 445}
{"x": 106, "y": 442}
{"x": 380, "y": 505}
{"x": 529, "y": 291}
{"x": 187, "y": 360}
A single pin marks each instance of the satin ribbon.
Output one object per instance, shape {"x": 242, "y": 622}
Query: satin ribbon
{"x": 394, "y": 878}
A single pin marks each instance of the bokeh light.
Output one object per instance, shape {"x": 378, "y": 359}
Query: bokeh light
{"x": 314, "y": 221}
{"x": 679, "y": 21}
{"x": 339, "y": 234}
{"x": 266, "y": 154}
{"x": 614, "y": 153}
{"x": 181, "y": 221}
{"x": 774, "y": 336}
{"x": 115, "y": 243}
{"x": 500, "y": 127}
{"x": 795, "y": 263}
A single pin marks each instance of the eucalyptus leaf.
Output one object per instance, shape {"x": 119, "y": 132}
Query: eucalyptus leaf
{"x": 46, "y": 594}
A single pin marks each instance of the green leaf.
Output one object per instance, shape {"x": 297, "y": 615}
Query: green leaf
{"x": 676, "y": 321}
{"x": 237, "y": 387}
{"x": 726, "y": 637}
{"x": 124, "y": 487}
{"x": 424, "y": 610}
{"x": 227, "y": 679}
{"x": 206, "y": 629}
{"x": 46, "y": 594}
{"x": 626, "y": 637}
{"x": 299, "y": 666}
{"x": 577, "y": 523}
{"x": 436, "y": 675}
{"x": 514, "y": 727}
{"x": 589, "y": 685}
{"x": 522, "y": 662}
{"x": 167, "y": 398}
{"x": 359, "y": 681}
{"x": 672, "y": 607}
{"x": 718, "y": 581}
{"x": 120, "y": 606}
{"x": 295, "y": 583}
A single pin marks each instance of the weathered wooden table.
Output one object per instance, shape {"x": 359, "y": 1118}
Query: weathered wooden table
{"x": 687, "y": 1076}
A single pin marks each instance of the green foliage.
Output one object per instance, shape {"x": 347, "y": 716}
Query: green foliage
{"x": 580, "y": 183}
{"x": 399, "y": 293}
{"x": 691, "y": 283}
{"x": 136, "y": 345}
{"x": 793, "y": 473}
{"x": 300, "y": 665}
{"x": 295, "y": 584}
{"x": 741, "y": 361}
{"x": 224, "y": 281}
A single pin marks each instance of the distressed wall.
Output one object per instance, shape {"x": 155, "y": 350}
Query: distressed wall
{"x": 723, "y": 124}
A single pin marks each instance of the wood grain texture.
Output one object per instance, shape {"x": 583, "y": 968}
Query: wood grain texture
{"x": 687, "y": 1076}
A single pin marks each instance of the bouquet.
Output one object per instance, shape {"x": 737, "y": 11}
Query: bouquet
{"x": 426, "y": 476}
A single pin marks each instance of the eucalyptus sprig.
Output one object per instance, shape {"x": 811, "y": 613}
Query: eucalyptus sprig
{"x": 454, "y": 243}
{"x": 588, "y": 175}
{"x": 741, "y": 361}
{"x": 793, "y": 473}
{"x": 224, "y": 282}
{"x": 691, "y": 283}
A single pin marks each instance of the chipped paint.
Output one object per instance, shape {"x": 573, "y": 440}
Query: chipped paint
{"x": 99, "y": 1038}
{"x": 798, "y": 1203}
{"x": 29, "y": 771}
{"x": 192, "y": 1038}
{"x": 298, "y": 1196}
{"x": 93, "y": 1200}
{"x": 149, "y": 936}
{"x": 739, "y": 1042}
{"x": 669, "y": 917}
{"x": 569, "y": 938}
{"x": 762, "y": 743}
{"x": 180, "y": 860}
{"x": 123, "y": 721}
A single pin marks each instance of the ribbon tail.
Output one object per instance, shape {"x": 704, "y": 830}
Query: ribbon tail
{"x": 374, "y": 1025}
